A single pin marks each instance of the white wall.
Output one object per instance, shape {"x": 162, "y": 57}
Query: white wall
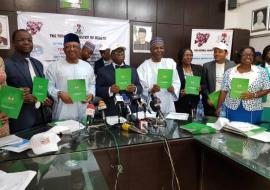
{"x": 241, "y": 17}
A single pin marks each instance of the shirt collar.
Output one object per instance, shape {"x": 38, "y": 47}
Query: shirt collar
{"x": 254, "y": 68}
{"x": 114, "y": 64}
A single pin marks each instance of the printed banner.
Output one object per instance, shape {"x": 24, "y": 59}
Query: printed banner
{"x": 203, "y": 41}
{"x": 48, "y": 32}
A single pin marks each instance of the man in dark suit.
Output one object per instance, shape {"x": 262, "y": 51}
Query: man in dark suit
{"x": 105, "y": 58}
{"x": 213, "y": 72}
{"x": 3, "y": 41}
{"x": 20, "y": 70}
{"x": 105, "y": 81}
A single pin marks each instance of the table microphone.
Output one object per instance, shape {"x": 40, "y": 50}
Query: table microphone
{"x": 90, "y": 113}
{"x": 102, "y": 107}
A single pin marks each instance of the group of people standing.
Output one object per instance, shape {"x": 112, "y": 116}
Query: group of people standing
{"x": 21, "y": 68}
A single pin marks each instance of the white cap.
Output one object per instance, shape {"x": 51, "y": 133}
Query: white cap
{"x": 103, "y": 46}
{"x": 116, "y": 46}
{"x": 44, "y": 142}
{"x": 221, "y": 46}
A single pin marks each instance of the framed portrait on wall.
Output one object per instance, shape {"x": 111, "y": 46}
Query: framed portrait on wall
{"x": 141, "y": 38}
{"x": 75, "y": 4}
{"x": 4, "y": 32}
{"x": 259, "y": 19}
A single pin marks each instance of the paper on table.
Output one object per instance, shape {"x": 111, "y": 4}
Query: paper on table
{"x": 264, "y": 136}
{"x": 67, "y": 127}
{"x": 18, "y": 147}
{"x": 177, "y": 116}
{"x": 16, "y": 181}
{"x": 8, "y": 140}
{"x": 148, "y": 115}
{"x": 112, "y": 120}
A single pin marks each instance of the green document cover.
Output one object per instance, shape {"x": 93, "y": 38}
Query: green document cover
{"x": 40, "y": 88}
{"x": 238, "y": 87}
{"x": 192, "y": 85}
{"x": 77, "y": 89}
{"x": 214, "y": 98}
{"x": 198, "y": 128}
{"x": 11, "y": 101}
{"x": 164, "y": 78}
{"x": 123, "y": 77}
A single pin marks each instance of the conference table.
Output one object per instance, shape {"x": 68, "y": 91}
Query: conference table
{"x": 109, "y": 157}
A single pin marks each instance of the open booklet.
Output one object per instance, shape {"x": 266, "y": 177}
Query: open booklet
{"x": 242, "y": 128}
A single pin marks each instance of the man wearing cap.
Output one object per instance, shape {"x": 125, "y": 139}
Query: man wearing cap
{"x": 70, "y": 68}
{"x": 140, "y": 43}
{"x": 87, "y": 50}
{"x": 148, "y": 72}
{"x": 213, "y": 72}
{"x": 106, "y": 87}
{"x": 105, "y": 58}
{"x": 20, "y": 70}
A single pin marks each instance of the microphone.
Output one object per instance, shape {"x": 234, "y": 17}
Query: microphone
{"x": 90, "y": 113}
{"x": 155, "y": 105}
{"x": 118, "y": 100}
{"x": 102, "y": 107}
{"x": 96, "y": 100}
{"x": 128, "y": 127}
{"x": 126, "y": 101}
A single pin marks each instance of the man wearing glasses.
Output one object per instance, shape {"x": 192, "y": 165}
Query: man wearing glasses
{"x": 70, "y": 68}
{"x": 20, "y": 69}
{"x": 106, "y": 87}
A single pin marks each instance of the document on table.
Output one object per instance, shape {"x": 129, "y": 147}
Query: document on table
{"x": 67, "y": 127}
{"x": 18, "y": 147}
{"x": 8, "y": 140}
{"x": 16, "y": 181}
{"x": 178, "y": 116}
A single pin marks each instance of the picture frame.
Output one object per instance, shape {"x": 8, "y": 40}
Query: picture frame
{"x": 142, "y": 36}
{"x": 259, "y": 20}
{"x": 4, "y": 32}
{"x": 75, "y": 4}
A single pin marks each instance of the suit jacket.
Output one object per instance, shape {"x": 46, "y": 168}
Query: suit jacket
{"x": 16, "y": 77}
{"x": 98, "y": 64}
{"x": 209, "y": 82}
{"x": 105, "y": 79}
{"x": 187, "y": 102}
{"x": 209, "y": 75}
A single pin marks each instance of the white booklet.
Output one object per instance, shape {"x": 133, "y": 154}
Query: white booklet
{"x": 16, "y": 181}
{"x": 67, "y": 127}
{"x": 8, "y": 140}
{"x": 177, "y": 116}
{"x": 18, "y": 147}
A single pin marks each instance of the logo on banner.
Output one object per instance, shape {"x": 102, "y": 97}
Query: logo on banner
{"x": 78, "y": 29}
{"x": 201, "y": 38}
{"x": 224, "y": 38}
{"x": 33, "y": 27}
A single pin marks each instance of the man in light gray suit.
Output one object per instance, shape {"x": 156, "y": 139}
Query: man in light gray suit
{"x": 213, "y": 72}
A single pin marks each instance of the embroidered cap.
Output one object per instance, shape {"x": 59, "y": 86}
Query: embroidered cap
{"x": 89, "y": 45}
{"x": 157, "y": 41}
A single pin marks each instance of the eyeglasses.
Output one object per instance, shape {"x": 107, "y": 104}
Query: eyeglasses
{"x": 71, "y": 47}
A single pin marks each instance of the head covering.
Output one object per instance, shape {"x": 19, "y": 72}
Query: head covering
{"x": 44, "y": 142}
{"x": 142, "y": 30}
{"x": 103, "y": 47}
{"x": 89, "y": 45}
{"x": 257, "y": 53}
{"x": 70, "y": 37}
{"x": 157, "y": 41}
{"x": 117, "y": 46}
{"x": 221, "y": 46}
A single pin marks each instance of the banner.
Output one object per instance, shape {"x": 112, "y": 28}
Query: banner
{"x": 48, "y": 32}
{"x": 203, "y": 41}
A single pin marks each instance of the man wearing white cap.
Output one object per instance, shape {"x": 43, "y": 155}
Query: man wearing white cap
{"x": 213, "y": 72}
{"x": 105, "y": 81}
{"x": 87, "y": 51}
{"x": 105, "y": 58}
{"x": 148, "y": 72}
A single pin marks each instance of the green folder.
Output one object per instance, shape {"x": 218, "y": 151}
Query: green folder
{"x": 198, "y": 128}
{"x": 40, "y": 88}
{"x": 164, "y": 78}
{"x": 214, "y": 98}
{"x": 77, "y": 89}
{"x": 192, "y": 85}
{"x": 123, "y": 77}
{"x": 238, "y": 87}
{"x": 11, "y": 101}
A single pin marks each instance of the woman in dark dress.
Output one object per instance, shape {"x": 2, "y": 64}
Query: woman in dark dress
{"x": 185, "y": 68}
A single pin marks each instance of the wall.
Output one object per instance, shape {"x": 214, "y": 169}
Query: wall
{"x": 171, "y": 19}
{"x": 241, "y": 17}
